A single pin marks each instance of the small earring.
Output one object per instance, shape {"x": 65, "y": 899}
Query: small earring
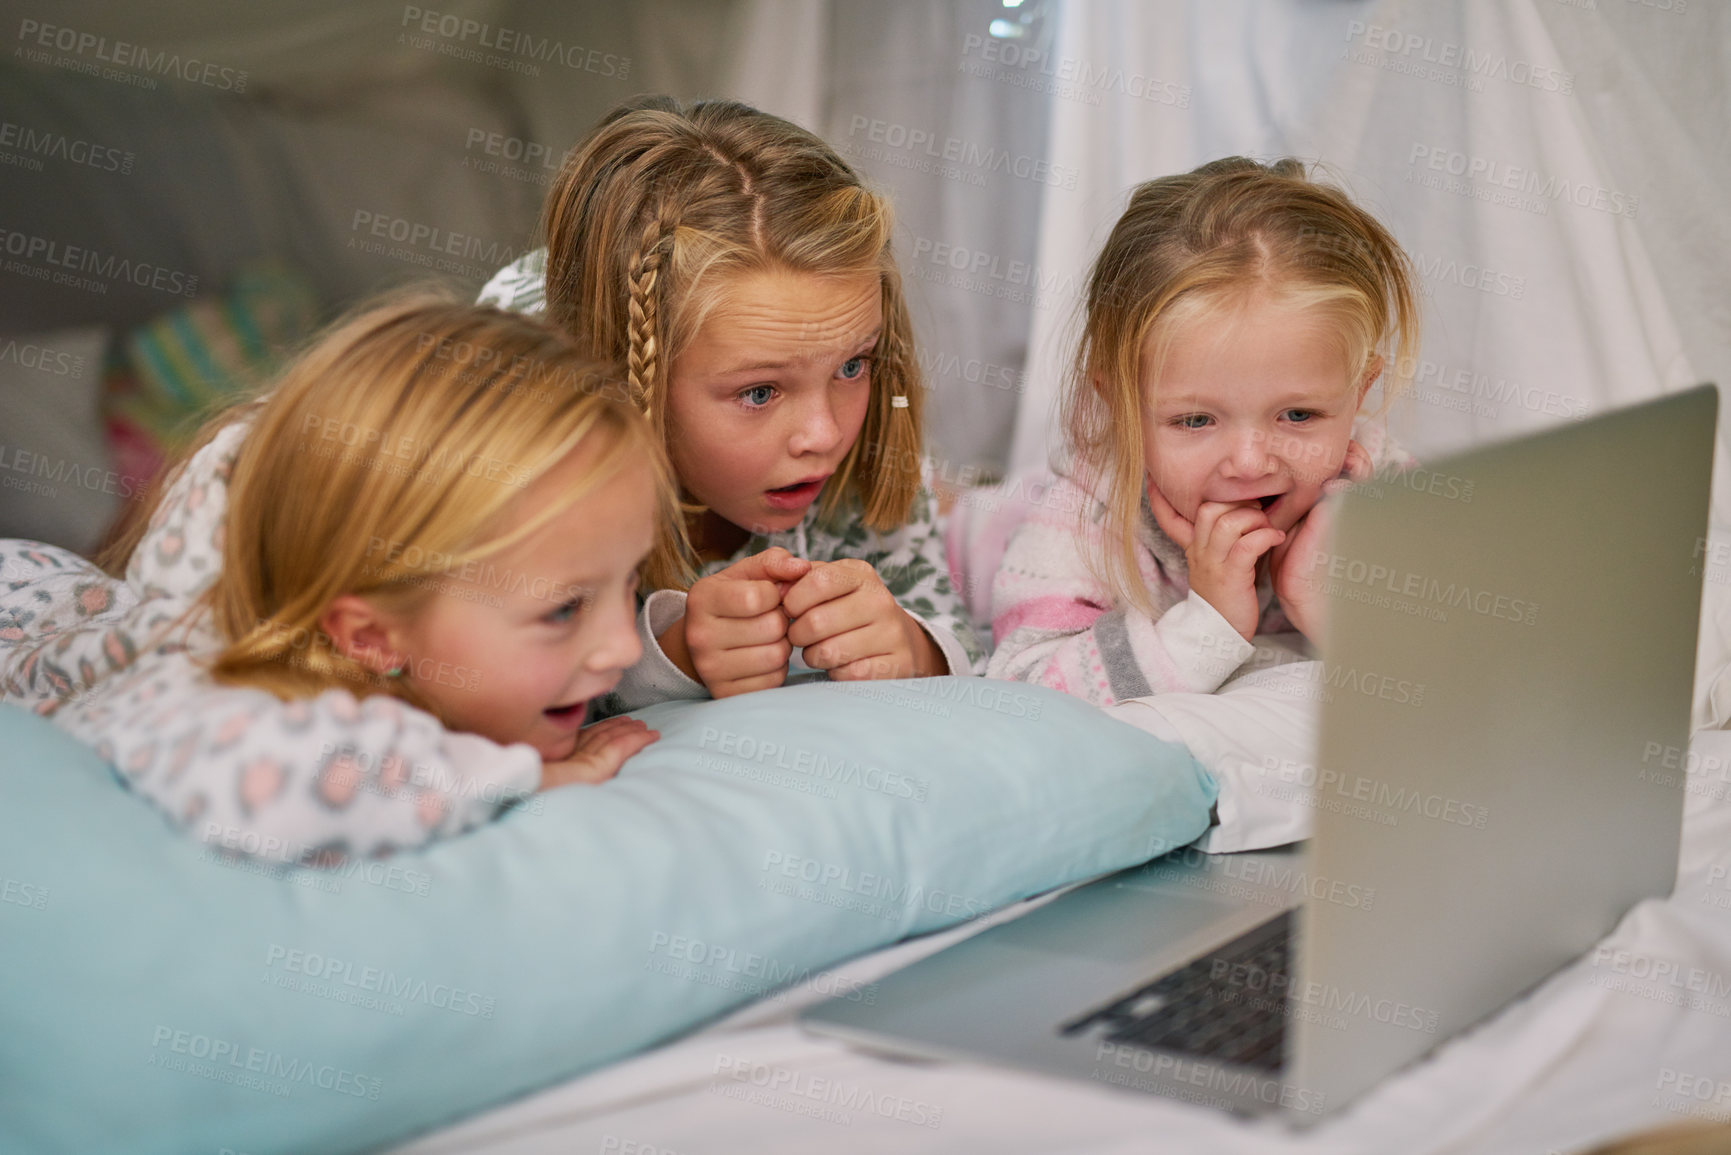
{"x": 394, "y": 672}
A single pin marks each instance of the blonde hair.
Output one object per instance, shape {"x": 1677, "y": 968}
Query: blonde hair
{"x": 383, "y": 458}
{"x": 1197, "y": 241}
{"x": 661, "y": 206}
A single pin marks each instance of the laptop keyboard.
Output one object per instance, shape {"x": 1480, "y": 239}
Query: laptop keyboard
{"x": 1229, "y": 1005}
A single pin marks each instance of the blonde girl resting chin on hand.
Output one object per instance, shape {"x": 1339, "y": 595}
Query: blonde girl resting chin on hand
{"x": 1236, "y": 319}
{"x": 373, "y": 607}
{"x": 744, "y": 275}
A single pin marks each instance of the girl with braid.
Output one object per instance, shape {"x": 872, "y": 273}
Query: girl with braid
{"x": 743, "y": 276}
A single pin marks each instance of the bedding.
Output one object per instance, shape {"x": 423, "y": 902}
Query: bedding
{"x": 1599, "y": 1050}
{"x": 163, "y": 996}
{"x": 1256, "y": 736}
{"x": 1630, "y": 1037}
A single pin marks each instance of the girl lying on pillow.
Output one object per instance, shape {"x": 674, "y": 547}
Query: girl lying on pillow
{"x": 1236, "y": 319}
{"x": 371, "y": 608}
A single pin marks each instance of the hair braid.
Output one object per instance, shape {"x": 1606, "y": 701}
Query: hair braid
{"x": 643, "y": 355}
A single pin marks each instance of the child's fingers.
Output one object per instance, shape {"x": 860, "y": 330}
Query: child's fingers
{"x": 1357, "y": 466}
{"x": 853, "y": 646}
{"x": 739, "y": 662}
{"x": 1317, "y": 521}
{"x": 1311, "y": 531}
{"x": 1277, "y": 555}
{"x": 601, "y": 751}
{"x": 587, "y": 770}
{"x": 849, "y": 612}
{"x": 813, "y": 626}
{"x": 1240, "y": 518}
{"x": 1172, "y": 523}
{"x": 617, "y": 722}
{"x": 750, "y": 685}
{"x": 773, "y": 564}
{"x": 604, "y": 735}
{"x": 611, "y": 751}
{"x": 827, "y": 582}
{"x": 739, "y": 599}
{"x": 786, "y": 568}
{"x": 1202, "y": 529}
{"x": 716, "y": 635}
{"x": 740, "y": 632}
{"x": 1214, "y": 517}
{"x": 867, "y": 669}
{"x": 1253, "y": 545}
{"x": 1306, "y": 557}
{"x": 1219, "y": 525}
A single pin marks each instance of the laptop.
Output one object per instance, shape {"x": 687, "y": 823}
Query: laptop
{"x": 1545, "y": 595}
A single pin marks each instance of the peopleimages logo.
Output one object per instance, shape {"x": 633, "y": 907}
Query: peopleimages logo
{"x": 819, "y": 767}
{"x": 21, "y": 893}
{"x": 83, "y": 259}
{"x": 803, "y": 1093}
{"x": 60, "y": 471}
{"x": 1480, "y": 175}
{"x": 431, "y": 237}
{"x": 1450, "y": 56}
{"x": 1382, "y": 583}
{"x": 886, "y": 897}
{"x": 718, "y": 965}
{"x": 1221, "y": 1081}
{"x": 1395, "y": 800}
{"x": 967, "y": 153}
{"x": 977, "y": 266}
{"x": 229, "y": 1062}
{"x": 1070, "y": 77}
{"x": 28, "y": 355}
{"x": 515, "y": 47}
{"x": 59, "y": 146}
{"x": 1701, "y": 1088}
{"x": 375, "y": 980}
{"x": 37, "y": 36}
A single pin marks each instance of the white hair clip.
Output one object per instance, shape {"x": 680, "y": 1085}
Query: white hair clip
{"x": 897, "y": 401}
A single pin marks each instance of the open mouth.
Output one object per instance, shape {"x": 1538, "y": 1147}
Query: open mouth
{"x": 796, "y": 495}
{"x": 567, "y": 713}
{"x": 1269, "y": 500}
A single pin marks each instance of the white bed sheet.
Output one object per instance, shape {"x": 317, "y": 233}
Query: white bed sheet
{"x": 1599, "y": 1050}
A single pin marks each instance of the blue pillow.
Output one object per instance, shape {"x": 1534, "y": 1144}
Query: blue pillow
{"x": 161, "y": 996}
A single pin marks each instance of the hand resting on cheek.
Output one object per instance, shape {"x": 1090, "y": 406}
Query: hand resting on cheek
{"x": 1227, "y": 540}
{"x": 1221, "y": 548}
{"x": 1295, "y": 561}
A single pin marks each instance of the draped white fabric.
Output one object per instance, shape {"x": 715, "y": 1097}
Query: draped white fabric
{"x": 1556, "y": 169}
{"x": 1565, "y": 239}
